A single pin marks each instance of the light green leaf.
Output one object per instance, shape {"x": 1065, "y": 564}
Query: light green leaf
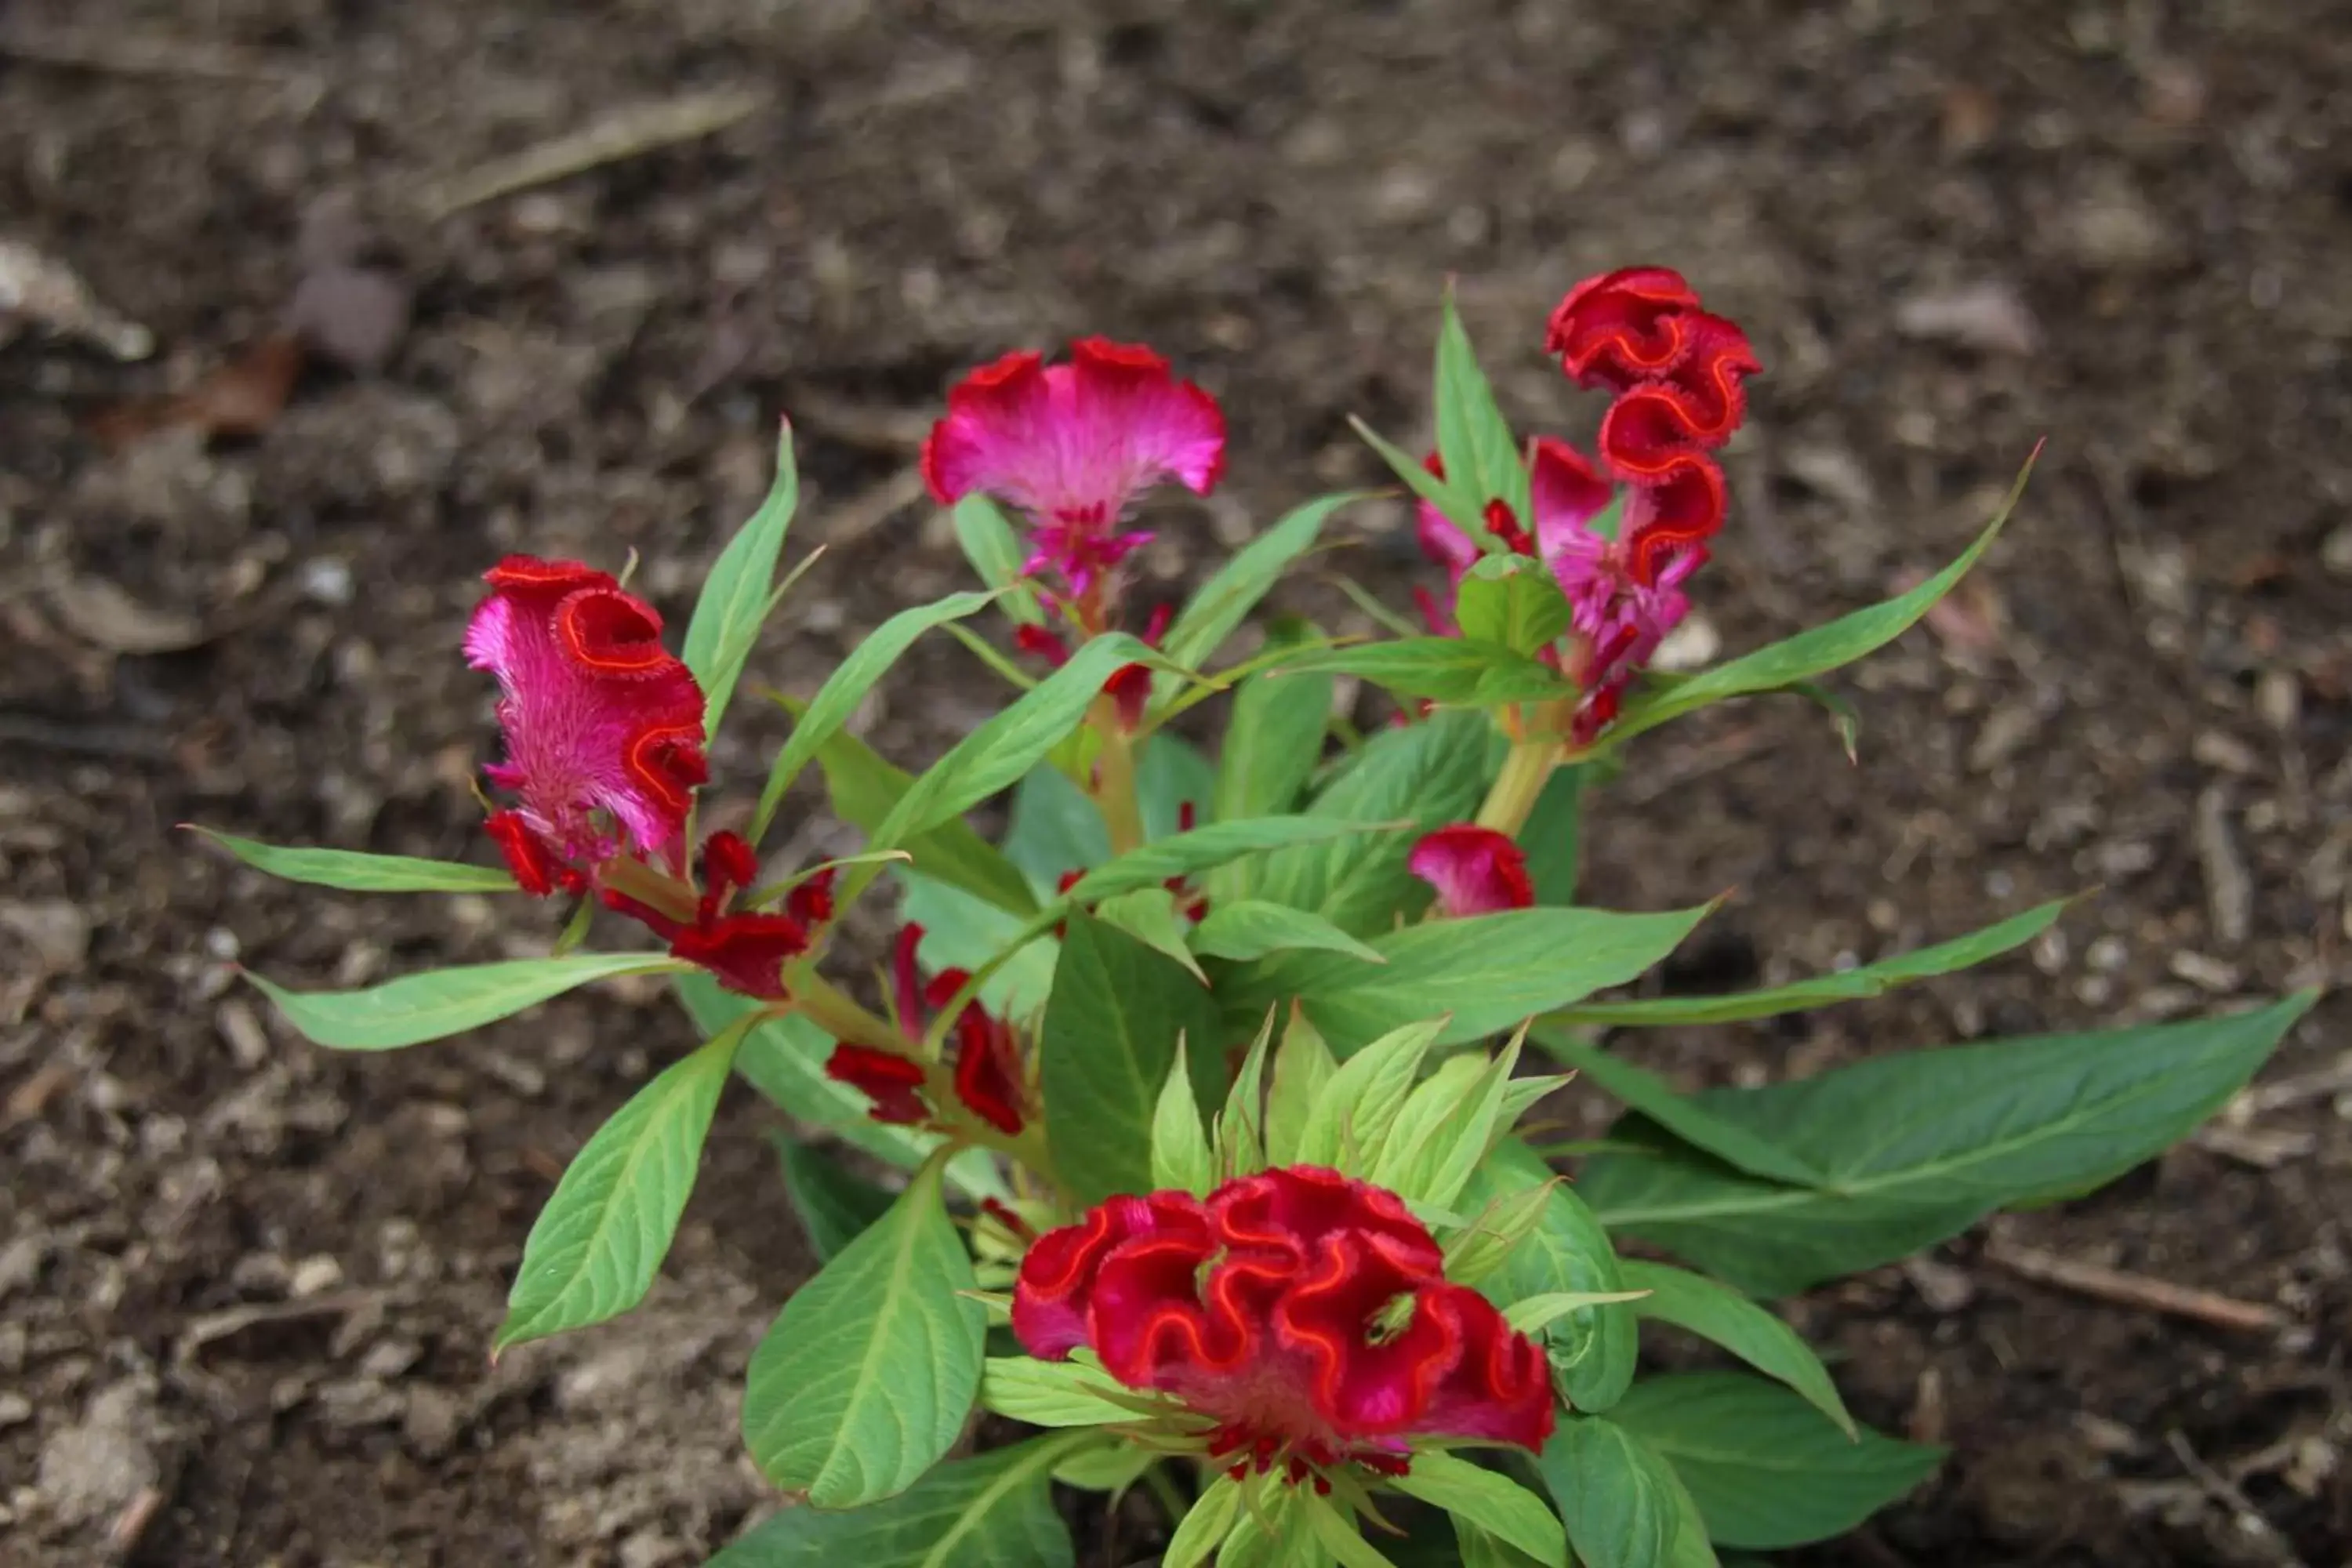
{"x": 1253, "y": 928}
{"x": 1302, "y": 1065}
{"x": 1052, "y": 1394}
{"x": 1534, "y": 1313}
{"x": 1148, "y": 915}
{"x": 1353, "y": 1114}
{"x": 835, "y": 1205}
{"x": 864, "y": 1380}
{"x": 358, "y": 873}
{"x": 1272, "y": 745}
{"x": 1110, "y": 1038}
{"x": 1914, "y": 1148}
{"x": 1108, "y": 1463}
{"x": 1225, "y": 600}
{"x": 1698, "y": 1305}
{"x": 837, "y": 700}
{"x": 1482, "y": 457}
{"x": 1337, "y": 1533}
{"x": 1809, "y": 653}
{"x": 961, "y": 932}
{"x": 734, "y": 599}
{"x": 864, "y": 789}
{"x": 1766, "y": 1469}
{"x": 1408, "y": 1156}
{"x": 1450, "y": 495}
{"x": 1205, "y": 1525}
{"x": 1487, "y": 1240}
{"x": 1869, "y": 980}
{"x": 994, "y": 550}
{"x": 1513, "y": 602}
{"x": 1592, "y": 1349}
{"x": 1497, "y": 1503}
{"x": 995, "y": 1511}
{"x": 1179, "y": 1146}
{"x": 1450, "y": 1161}
{"x": 444, "y": 1002}
{"x": 1616, "y": 1495}
{"x": 1240, "y": 1132}
{"x": 1460, "y": 671}
{"x": 1151, "y": 865}
{"x": 596, "y": 1247}
{"x": 1490, "y": 972}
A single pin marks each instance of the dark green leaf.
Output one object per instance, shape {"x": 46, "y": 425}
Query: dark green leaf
{"x": 864, "y": 789}
{"x": 1252, "y": 928}
{"x": 1482, "y": 457}
{"x": 1766, "y": 1469}
{"x": 1455, "y": 670}
{"x": 444, "y": 1002}
{"x": 1172, "y": 773}
{"x": 1513, "y": 602}
{"x": 994, "y": 550}
{"x": 357, "y": 873}
{"x": 1592, "y": 1348}
{"x": 1109, "y": 1035}
{"x": 1273, "y": 745}
{"x": 1053, "y": 829}
{"x": 835, "y": 1206}
{"x": 1869, "y": 980}
{"x": 1698, "y": 1305}
{"x": 1685, "y": 1116}
{"x": 865, "y": 1377}
{"x": 1616, "y": 1496}
{"x": 1225, "y": 600}
{"x": 734, "y": 598}
{"x": 993, "y": 1511}
{"x": 1553, "y": 837}
{"x": 1451, "y": 495}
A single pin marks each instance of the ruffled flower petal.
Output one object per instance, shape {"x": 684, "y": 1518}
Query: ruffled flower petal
{"x": 894, "y": 1083}
{"x": 1475, "y": 871}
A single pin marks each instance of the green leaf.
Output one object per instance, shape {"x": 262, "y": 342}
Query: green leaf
{"x": 1352, "y": 1115}
{"x": 1535, "y": 1312}
{"x": 1552, "y": 838}
{"x": 1766, "y": 1469}
{"x": 1869, "y": 980}
{"x": 734, "y": 599}
{"x": 1449, "y": 1160}
{"x": 1009, "y": 744}
{"x": 1239, "y": 1140}
{"x": 1302, "y": 1067}
{"x": 864, "y": 789}
{"x": 1054, "y": 828}
{"x": 864, "y": 1380}
{"x": 1450, "y": 495}
{"x": 961, "y": 932}
{"x": 1495, "y": 1503}
{"x": 1273, "y": 743}
{"x": 1914, "y": 1148}
{"x": 1698, "y": 1305}
{"x": 1151, "y": 865}
{"x": 1461, "y": 672}
{"x": 1486, "y": 1239}
{"x": 1594, "y": 1348}
{"x": 1430, "y": 1122}
{"x": 1514, "y": 602}
{"x": 1220, "y": 605}
{"x": 1253, "y": 928}
{"x": 995, "y": 1511}
{"x": 444, "y": 1002}
{"x": 1616, "y": 1495}
{"x": 837, "y": 700}
{"x": 1148, "y": 915}
{"x": 1685, "y": 1116}
{"x": 1108, "y": 1464}
{"x": 1336, "y": 1532}
{"x": 1204, "y": 1525}
{"x": 1431, "y": 774}
{"x": 357, "y": 873}
{"x": 596, "y": 1247}
{"x": 1180, "y": 1145}
{"x": 1110, "y": 1038}
{"x": 1809, "y": 653}
{"x": 1473, "y": 436}
{"x": 1052, "y": 1394}
{"x": 835, "y": 1206}
{"x": 1691, "y": 1548}
{"x": 1172, "y": 773}
{"x": 994, "y": 550}
{"x": 1490, "y": 972}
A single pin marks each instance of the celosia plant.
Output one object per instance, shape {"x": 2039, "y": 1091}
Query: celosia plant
{"x": 1206, "y": 1080}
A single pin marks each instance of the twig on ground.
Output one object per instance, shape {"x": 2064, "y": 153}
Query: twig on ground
{"x": 2137, "y": 1291}
{"x": 623, "y": 134}
{"x": 119, "y": 53}
{"x": 130, "y": 1526}
{"x": 2287, "y": 1092}
{"x": 2227, "y": 1493}
{"x": 2265, "y": 1150}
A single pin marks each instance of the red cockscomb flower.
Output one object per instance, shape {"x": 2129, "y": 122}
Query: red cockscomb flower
{"x": 1073, "y": 445}
{"x": 1306, "y": 1314}
{"x": 989, "y": 1078}
{"x": 603, "y": 725}
{"x": 746, "y": 950}
{"x": 1475, "y": 871}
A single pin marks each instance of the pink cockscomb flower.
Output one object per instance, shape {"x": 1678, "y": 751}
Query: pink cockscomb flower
{"x": 1564, "y": 491}
{"x": 1073, "y": 446}
{"x": 1475, "y": 871}
{"x": 1303, "y": 1318}
{"x": 603, "y": 725}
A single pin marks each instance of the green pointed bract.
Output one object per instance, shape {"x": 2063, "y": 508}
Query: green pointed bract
{"x": 1302, "y": 1065}
{"x": 1241, "y": 1127}
{"x": 1487, "y": 1239}
{"x": 1356, "y": 1109}
{"x": 1179, "y": 1149}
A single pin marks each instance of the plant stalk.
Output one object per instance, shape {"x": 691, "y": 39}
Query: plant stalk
{"x": 1113, "y": 780}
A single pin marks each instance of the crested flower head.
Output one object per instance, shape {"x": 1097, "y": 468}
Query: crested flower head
{"x": 1073, "y": 445}
{"x": 603, "y": 725}
{"x": 1475, "y": 871}
{"x": 1305, "y": 1314}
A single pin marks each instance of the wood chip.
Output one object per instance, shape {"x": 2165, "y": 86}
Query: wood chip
{"x": 45, "y": 292}
{"x": 623, "y": 134}
{"x": 2229, "y": 886}
{"x": 2137, "y": 1291}
{"x": 102, "y": 615}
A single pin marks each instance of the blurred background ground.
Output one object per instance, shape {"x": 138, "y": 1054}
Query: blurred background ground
{"x": 246, "y": 1288}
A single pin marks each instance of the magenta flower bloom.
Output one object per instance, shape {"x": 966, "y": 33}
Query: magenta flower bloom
{"x": 1304, "y": 1315}
{"x": 1072, "y": 446}
{"x": 1475, "y": 871}
{"x": 603, "y": 726}
{"x": 1564, "y": 491}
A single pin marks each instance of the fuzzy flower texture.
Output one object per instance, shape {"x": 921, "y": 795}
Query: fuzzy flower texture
{"x": 1302, "y": 1320}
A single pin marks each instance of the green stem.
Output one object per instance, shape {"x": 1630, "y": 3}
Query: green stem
{"x": 838, "y": 1014}
{"x": 1114, "y": 785}
{"x": 1156, "y": 1479}
{"x": 1521, "y": 781}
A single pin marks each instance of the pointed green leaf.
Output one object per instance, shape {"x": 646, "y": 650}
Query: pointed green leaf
{"x": 836, "y": 1206}
{"x": 1698, "y": 1305}
{"x": 994, "y": 550}
{"x": 1302, "y": 1067}
{"x": 1691, "y": 1548}
{"x": 444, "y": 1002}
{"x": 1052, "y": 1394}
{"x": 1616, "y": 1495}
{"x": 1148, "y": 915}
{"x": 1914, "y": 1148}
{"x": 1271, "y": 743}
{"x": 1552, "y": 837}
{"x": 1451, "y": 495}
{"x": 1220, "y": 605}
{"x": 1685, "y": 1116}
{"x": 847, "y": 686}
{"x": 1179, "y": 1147}
{"x": 1336, "y": 1532}
{"x": 1513, "y": 602}
{"x": 1427, "y": 1126}
{"x": 995, "y": 1511}
{"x": 864, "y": 789}
{"x": 1809, "y": 653}
{"x": 357, "y": 873}
{"x": 961, "y": 932}
{"x": 1766, "y": 1469}
{"x": 596, "y": 1248}
{"x": 1534, "y": 1313}
{"x": 1253, "y": 928}
{"x": 1592, "y": 1349}
{"x": 864, "y": 1380}
{"x": 1487, "y": 1240}
{"x": 1461, "y": 672}
{"x": 734, "y": 598}
{"x": 1240, "y": 1132}
{"x": 1869, "y": 980}
{"x": 1497, "y": 1503}
{"x": 1352, "y": 1115}
{"x": 1473, "y": 436}
{"x": 1451, "y": 1160}
{"x": 1204, "y": 1525}
{"x": 1151, "y": 865}
{"x": 1108, "y": 1041}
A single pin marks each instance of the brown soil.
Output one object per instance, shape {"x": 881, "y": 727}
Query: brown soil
{"x": 247, "y": 1287}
